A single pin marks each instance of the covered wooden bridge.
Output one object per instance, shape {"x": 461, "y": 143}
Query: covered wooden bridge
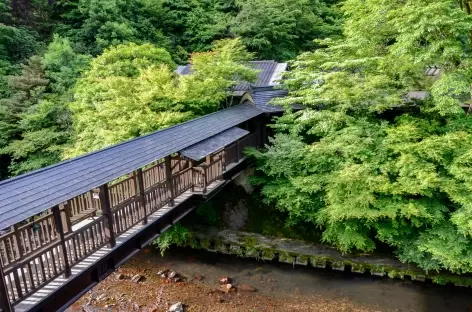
{"x": 68, "y": 226}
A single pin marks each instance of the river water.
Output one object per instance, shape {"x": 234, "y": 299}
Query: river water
{"x": 278, "y": 280}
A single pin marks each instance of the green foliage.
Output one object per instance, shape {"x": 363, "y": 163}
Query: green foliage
{"x": 131, "y": 90}
{"x": 96, "y": 25}
{"x": 36, "y": 120}
{"x": 176, "y": 235}
{"x": 361, "y": 163}
{"x": 273, "y": 29}
{"x": 281, "y": 29}
{"x": 63, "y": 65}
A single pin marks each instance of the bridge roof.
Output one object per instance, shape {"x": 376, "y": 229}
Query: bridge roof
{"x": 206, "y": 147}
{"x": 31, "y": 193}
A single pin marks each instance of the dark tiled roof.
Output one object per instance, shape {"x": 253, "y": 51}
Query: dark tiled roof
{"x": 29, "y": 194}
{"x": 266, "y": 68}
{"x": 206, "y": 147}
{"x": 262, "y": 98}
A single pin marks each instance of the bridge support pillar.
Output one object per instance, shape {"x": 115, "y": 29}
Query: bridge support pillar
{"x": 106, "y": 210}
{"x": 5, "y": 304}
{"x": 168, "y": 165}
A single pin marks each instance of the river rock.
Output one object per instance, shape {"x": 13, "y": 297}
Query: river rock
{"x": 178, "y": 307}
{"x": 227, "y": 288}
{"x": 162, "y": 272}
{"x": 224, "y": 280}
{"x": 246, "y": 288}
{"x": 136, "y": 278}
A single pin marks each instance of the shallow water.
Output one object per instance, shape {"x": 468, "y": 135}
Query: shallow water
{"x": 279, "y": 280}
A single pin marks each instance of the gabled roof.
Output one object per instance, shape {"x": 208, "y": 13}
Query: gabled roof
{"x": 31, "y": 193}
{"x": 269, "y": 74}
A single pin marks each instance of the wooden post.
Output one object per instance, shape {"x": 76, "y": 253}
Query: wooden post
{"x": 106, "y": 211}
{"x": 169, "y": 179}
{"x": 5, "y": 304}
{"x": 190, "y": 163}
{"x": 60, "y": 230}
{"x": 205, "y": 179}
{"x": 237, "y": 150}
{"x": 68, "y": 217}
{"x": 141, "y": 199}
{"x": 19, "y": 246}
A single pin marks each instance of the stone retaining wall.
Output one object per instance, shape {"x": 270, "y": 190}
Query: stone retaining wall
{"x": 251, "y": 245}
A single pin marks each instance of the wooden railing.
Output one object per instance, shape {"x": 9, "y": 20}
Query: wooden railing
{"x": 82, "y": 207}
{"x": 122, "y": 191}
{"x": 157, "y": 196}
{"x": 25, "y": 239}
{"x": 35, "y": 253}
{"x": 34, "y": 272}
{"x": 153, "y": 175}
{"x": 86, "y": 240}
{"x": 182, "y": 181}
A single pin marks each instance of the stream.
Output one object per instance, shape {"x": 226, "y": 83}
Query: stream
{"x": 280, "y": 280}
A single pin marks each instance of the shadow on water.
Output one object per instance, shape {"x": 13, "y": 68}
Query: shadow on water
{"x": 278, "y": 280}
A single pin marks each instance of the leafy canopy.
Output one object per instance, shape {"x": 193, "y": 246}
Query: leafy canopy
{"x": 362, "y": 162}
{"x": 131, "y": 90}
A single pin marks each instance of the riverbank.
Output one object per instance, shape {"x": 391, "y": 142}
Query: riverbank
{"x": 295, "y": 252}
{"x": 279, "y": 287}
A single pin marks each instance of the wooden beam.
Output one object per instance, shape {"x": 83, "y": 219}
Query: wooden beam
{"x": 60, "y": 230}
{"x": 141, "y": 199}
{"x": 5, "y": 304}
{"x": 106, "y": 211}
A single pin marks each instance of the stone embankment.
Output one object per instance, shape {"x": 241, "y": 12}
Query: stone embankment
{"x": 251, "y": 245}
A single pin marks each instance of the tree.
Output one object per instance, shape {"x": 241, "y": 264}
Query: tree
{"x": 132, "y": 90}
{"x": 27, "y": 89}
{"x": 281, "y": 29}
{"x": 39, "y": 119}
{"x": 96, "y": 25}
{"x": 213, "y": 75}
{"x": 362, "y": 163}
{"x": 194, "y": 25}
